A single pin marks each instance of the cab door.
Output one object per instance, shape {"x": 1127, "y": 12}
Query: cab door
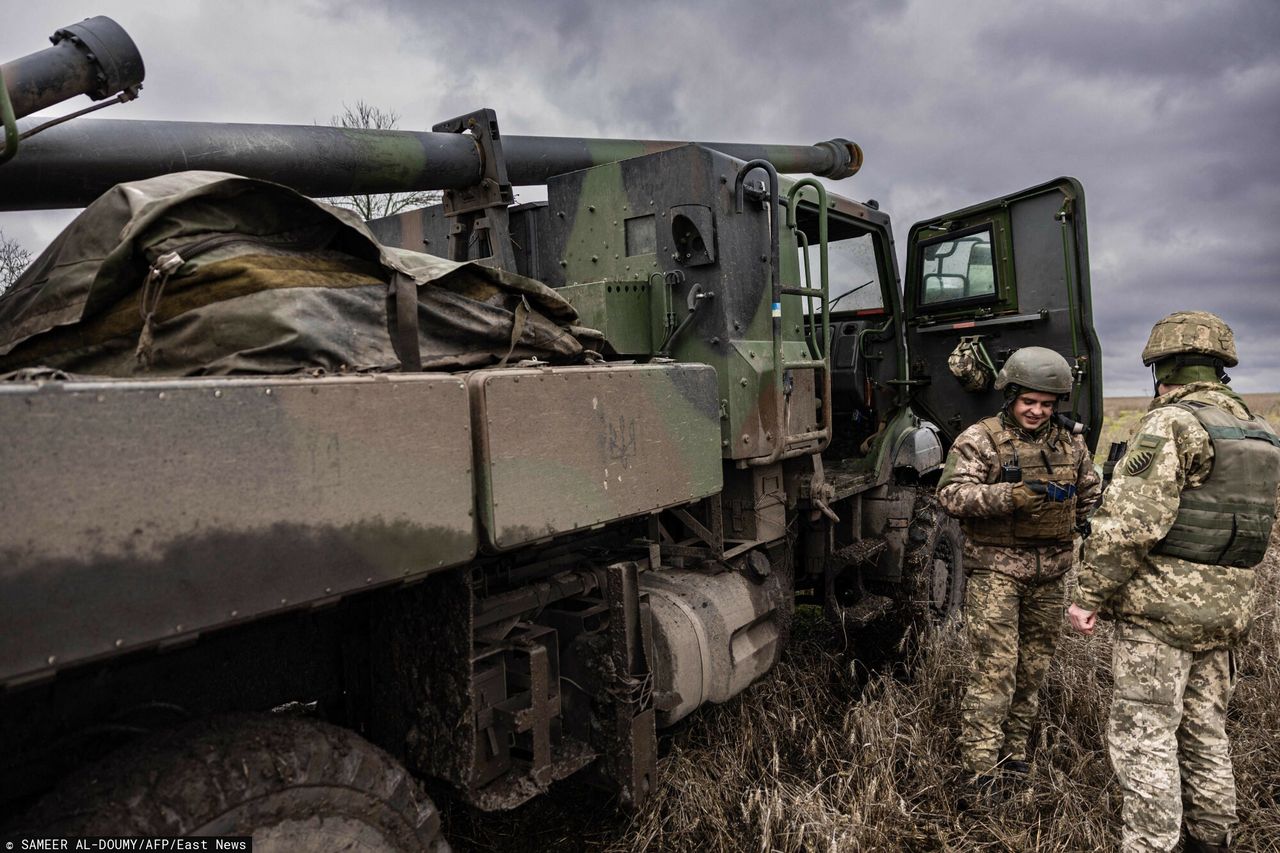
{"x": 1008, "y": 273}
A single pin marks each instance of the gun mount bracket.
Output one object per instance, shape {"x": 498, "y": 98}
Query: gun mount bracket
{"x": 479, "y": 212}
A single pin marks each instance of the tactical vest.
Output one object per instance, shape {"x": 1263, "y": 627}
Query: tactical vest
{"x": 1227, "y": 520}
{"x": 1054, "y": 460}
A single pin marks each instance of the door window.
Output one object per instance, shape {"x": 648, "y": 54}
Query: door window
{"x": 958, "y": 267}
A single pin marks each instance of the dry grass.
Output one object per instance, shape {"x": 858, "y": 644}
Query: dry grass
{"x": 1121, "y": 415}
{"x": 810, "y": 759}
{"x": 822, "y": 756}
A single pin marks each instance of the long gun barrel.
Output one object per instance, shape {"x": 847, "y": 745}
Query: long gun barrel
{"x": 70, "y": 165}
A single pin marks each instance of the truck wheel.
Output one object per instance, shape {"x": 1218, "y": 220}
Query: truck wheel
{"x": 934, "y": 561}
{"x": 293, "y": 784}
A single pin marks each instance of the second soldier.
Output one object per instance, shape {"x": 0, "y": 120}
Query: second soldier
{"x": 1021, "y": 484}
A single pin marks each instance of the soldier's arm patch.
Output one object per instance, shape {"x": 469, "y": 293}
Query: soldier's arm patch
{"x": 949, "y": 471}
{"x": 1142, "y": 453}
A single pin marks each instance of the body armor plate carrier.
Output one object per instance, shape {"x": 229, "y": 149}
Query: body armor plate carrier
{"x": 1048, "y": 466}
{"x": 1227, "y": 520}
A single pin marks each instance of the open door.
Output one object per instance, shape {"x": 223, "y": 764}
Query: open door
{"x": 1008, "y": 273}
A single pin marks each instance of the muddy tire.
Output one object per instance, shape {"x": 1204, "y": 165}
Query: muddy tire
{"x": 293, "y": 784}
{"x": 934, "y": 563}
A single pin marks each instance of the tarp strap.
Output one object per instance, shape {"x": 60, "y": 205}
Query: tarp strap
{"x": 517, "y": 328}
{"x": 405, "y": 335}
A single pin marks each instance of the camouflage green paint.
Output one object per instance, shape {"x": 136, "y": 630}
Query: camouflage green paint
{"x": 623, "y": 310}
{"x": 628, "y": 439}
{"x": 733, "y": 330}
{"x": 597, "y": 249}
{"x": 394, "y": 159}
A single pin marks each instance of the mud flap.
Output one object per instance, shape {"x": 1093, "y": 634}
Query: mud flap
{"x": 631, "y": 759}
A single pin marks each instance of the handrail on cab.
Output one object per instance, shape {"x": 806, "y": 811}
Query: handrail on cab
{"x": 789, "y": 446}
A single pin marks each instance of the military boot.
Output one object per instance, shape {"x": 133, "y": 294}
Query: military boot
{"x": 1015, "y": 773}
{"x": 1195, "y": 845}
{"x": 980, "y": 790}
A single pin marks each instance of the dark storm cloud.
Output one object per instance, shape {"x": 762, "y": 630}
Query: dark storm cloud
{"x": 1170, "y": 43}
{"x": 1168, "y": 112}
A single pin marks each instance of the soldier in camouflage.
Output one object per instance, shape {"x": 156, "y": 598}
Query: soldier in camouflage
{"x": 1020, "y": 484}
{"x": 1171, "y": 558}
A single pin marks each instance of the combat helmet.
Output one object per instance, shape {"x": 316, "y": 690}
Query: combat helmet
{"x": 1190, "y": 346}
{"x": 1035, "y": 369}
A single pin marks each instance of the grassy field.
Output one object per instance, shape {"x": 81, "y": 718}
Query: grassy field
{"x": 815, "y": 757}
{"x": 822, "y": 756}
{"x": 1121, "y": 415}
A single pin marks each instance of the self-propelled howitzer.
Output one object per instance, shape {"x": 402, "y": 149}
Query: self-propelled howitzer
{"x": 500, "y": 574}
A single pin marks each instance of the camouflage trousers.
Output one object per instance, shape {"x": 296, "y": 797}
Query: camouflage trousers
{"x": 1013, "y": 627}
{"x": 1168, "y": 741}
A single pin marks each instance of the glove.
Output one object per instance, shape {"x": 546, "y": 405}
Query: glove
{"x": 1084, "y": 528}
{"x": 1024, "y": 497}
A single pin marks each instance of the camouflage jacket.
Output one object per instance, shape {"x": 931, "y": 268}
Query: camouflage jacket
{"x": 970, "y": 488}
{"x": 1192, "y": 606}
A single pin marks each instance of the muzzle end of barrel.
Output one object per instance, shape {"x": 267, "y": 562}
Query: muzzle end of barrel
{"x": 846, "y": 158}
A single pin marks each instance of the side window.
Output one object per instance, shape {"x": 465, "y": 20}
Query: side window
{"x": 852, "y": 266}
{"x": 958, "y": 268}
{"x": 854, "y": 275}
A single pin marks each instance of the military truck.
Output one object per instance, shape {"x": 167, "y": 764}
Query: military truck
{"x": 257, "y": 596}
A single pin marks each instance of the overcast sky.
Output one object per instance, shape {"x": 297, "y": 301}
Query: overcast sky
{"x": 1168, "y": 112}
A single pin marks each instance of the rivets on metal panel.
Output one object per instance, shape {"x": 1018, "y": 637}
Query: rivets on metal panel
{"x": 742, "y": 382}
{"x": 368, "y": 580}
{"x": 267, "y": 392}
{"x": 52, "y": 659}
{"x": 119, "y": 643}
{"x": 284, "y": 601}
{"x": 161, "y": 395}
{"x": 235, "y": 613}
{"x": 328, "y": 589}
{"x": 746, "y": 439}
{"x": 218, "y": 392}
{"x": 591, "y": 208}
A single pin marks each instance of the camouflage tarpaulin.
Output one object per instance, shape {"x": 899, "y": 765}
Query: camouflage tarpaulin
{"x": 264, "y": 281}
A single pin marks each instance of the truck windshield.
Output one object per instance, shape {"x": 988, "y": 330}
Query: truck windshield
{"x": 854, "y": 273}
